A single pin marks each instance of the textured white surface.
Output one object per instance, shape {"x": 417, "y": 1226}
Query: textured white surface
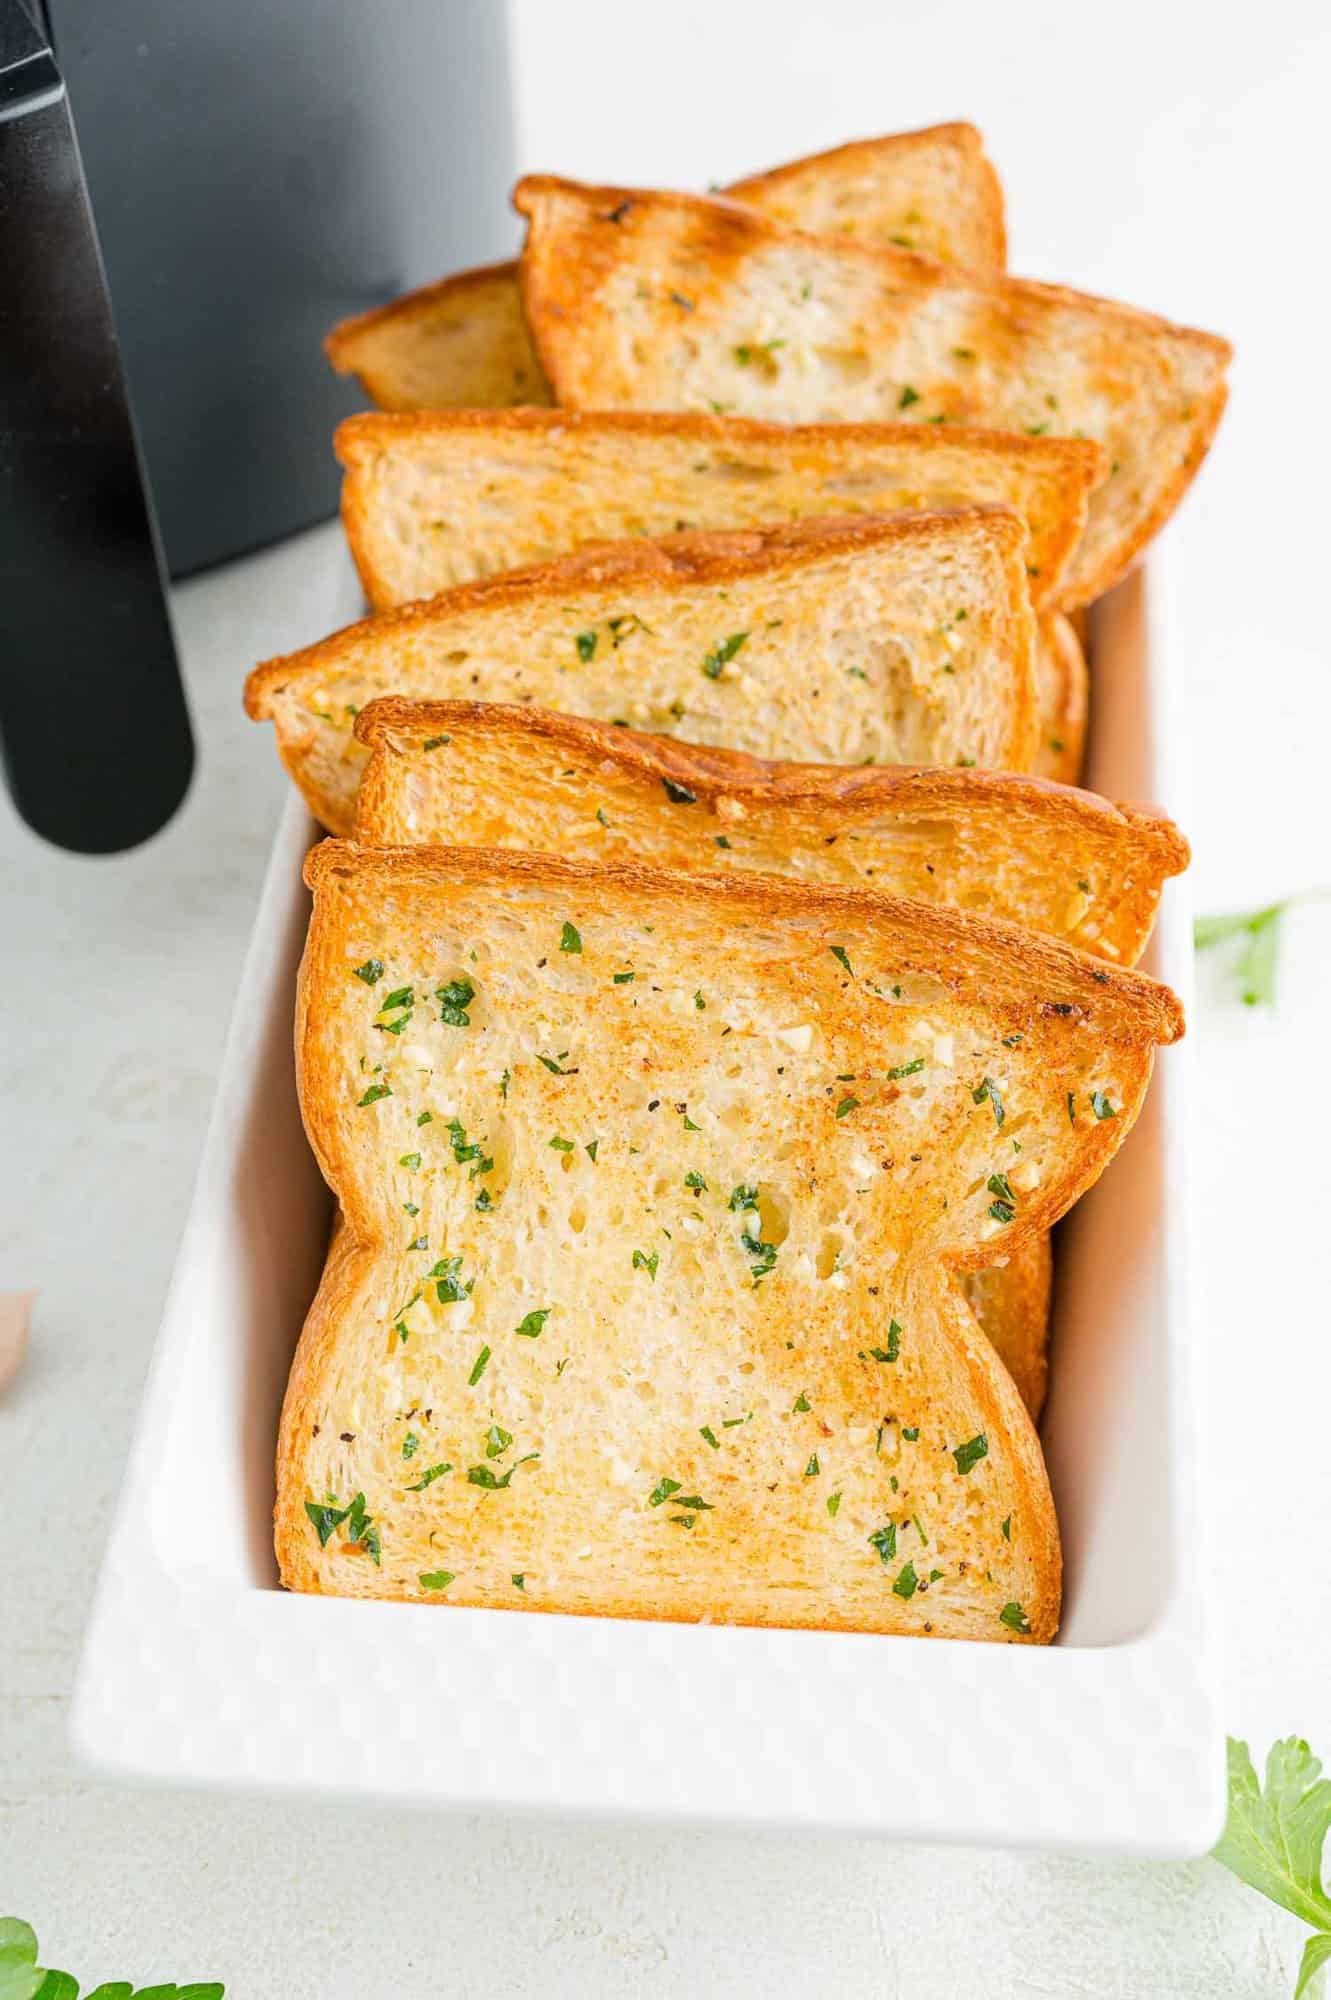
{"x": 1174, "y": 161}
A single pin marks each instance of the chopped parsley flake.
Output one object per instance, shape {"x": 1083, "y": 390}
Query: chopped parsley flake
{"x": 840, "y": 953}
{"x": 884, "y": 1539}
{"x": 1101, "y": 1106}
{"x": 715, "y": 661}
{"x": 833, "y": 1503}
{"x": 986, "y": 1087}
{"x": 711, "y": 1437}
{"x": 478, "y": 1367}
{"x": 907, "y": 397}
{"x": 454, "y": 999}
{"x": 1014, "y": 1617}
{"x": 679, "y": 795}
{"x": 970, "y": 1453}
{"x": 906, "y": 1583}
{"x": 435, "y": 1579}
{"x": 570, "y": 939}
{"x": 436, "y": 742}
{"x": 846, "y": 1106}
{"x": 529, "y": 1326}
{"x": 905, "y": 1069}
{"x": 371, "y": 972}
{"x": 428, "y": 1478}
{"x": 642, "y": 1262}
{"x": 812, "y": 1469}
{"x": 586, "y": 645}
{"x": 373, "y": 1094}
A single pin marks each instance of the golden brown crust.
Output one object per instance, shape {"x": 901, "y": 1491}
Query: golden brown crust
{"x": 572, "y": 262}
{"x": 1073, "y": 467}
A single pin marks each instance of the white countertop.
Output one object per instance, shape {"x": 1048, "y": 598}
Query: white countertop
{"x": 1141, "y": 159}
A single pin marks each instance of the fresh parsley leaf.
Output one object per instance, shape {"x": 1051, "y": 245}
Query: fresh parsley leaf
{"x": 906, "y": 1582}
{"x": 529, "y": 1326}
{"x": 1274, "y": 1833}
{"x": 1256, "y": 963}
{"x": 327, "y": 1519}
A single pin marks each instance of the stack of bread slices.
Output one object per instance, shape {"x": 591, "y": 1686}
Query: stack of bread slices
{"x": 716, "y": 986}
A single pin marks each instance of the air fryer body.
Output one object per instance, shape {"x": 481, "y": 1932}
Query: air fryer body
{"x": 257, "y": 172}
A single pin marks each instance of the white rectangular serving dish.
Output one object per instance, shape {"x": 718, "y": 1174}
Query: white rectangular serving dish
{"x": 197, "y": 1668}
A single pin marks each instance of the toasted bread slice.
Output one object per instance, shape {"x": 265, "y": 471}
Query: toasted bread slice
{"x": 897, "y": 639}
{"x": 503, "y": 776}
{"x": 1012, "y": 1303}
{"x": 435, "y": 500}
{"x": 1062, "y": 696}
{"x": 1059, "y": 861}
{"x": 463, "y": 342}
{"x": 693, "y": 1160}
{"x": 663, "y": 301}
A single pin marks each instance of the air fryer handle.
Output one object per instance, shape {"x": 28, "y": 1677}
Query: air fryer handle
{"x": 94, "y": 733}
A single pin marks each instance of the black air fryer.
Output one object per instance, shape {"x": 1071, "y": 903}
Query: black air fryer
{"x": 242, "y": 177}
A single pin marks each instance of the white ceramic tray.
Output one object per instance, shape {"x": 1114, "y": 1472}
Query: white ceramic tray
{"x": 197, "y": 1668}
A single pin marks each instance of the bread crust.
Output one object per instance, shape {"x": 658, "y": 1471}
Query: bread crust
{"x": 1014, "y": 981}
{"x": 570, "y": 257}
{"x": 1074, "y": 466}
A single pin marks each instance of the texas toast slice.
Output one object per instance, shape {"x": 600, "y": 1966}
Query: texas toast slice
{"x": 437, "y": 499}
{"x": 647, "y": 300}
{"x": 499, "y": 775}
{"x": 896, "y": 639}
{"x": 655, "y": 1188}
{"x": 1059, "y": 861}
{"x": 463, "y": 342}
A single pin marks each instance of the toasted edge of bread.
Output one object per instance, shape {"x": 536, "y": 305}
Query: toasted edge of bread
{"x": 1069, "y": 469}
{"x": 1018, "y": 811}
